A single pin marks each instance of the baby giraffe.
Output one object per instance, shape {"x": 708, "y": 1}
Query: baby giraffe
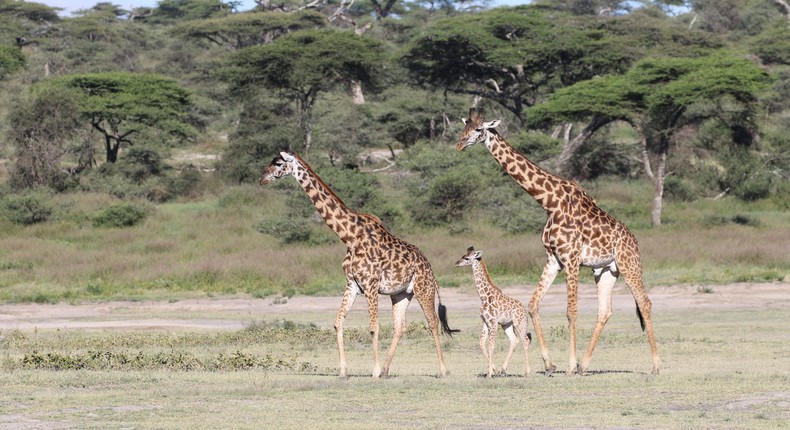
{"x": 497, "y": 309}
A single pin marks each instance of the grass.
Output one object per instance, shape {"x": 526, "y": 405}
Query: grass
{"x": 210, "y": 247}
{"x": 726, "y": 370}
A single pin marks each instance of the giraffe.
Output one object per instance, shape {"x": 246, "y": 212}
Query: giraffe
{"x": 496, "y": 309}
{"x": 577, "y": 233}
{"x": 376, "y": 262}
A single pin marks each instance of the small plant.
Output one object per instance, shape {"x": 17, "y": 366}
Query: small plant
{"x": 705, "y": 290}
{"x": 120, "y": 215}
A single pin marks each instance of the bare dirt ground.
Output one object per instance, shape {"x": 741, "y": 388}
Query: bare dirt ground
{"x": 236, "y": 313}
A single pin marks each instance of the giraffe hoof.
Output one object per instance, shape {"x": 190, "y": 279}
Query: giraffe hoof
{"x": 655, "y": 371}
{"x": 550, "y": 370}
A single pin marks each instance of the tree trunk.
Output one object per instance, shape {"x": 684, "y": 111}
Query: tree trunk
{"x": 572, "y": 147}
{"x": 356, "y": 92}
{"x": 656, "y": 178}
{"x": 307, "y": 117}
{"x": 112, "y": 146}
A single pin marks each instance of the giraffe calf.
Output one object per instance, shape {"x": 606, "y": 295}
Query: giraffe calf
{"x": 497, "y": 309}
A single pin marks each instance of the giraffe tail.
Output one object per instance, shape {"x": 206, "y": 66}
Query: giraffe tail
{"x": 641, "y": 318}
{"x": 443, "y": 319}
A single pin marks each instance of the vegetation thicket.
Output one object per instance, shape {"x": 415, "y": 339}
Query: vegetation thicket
{"x": 138, "y": 133}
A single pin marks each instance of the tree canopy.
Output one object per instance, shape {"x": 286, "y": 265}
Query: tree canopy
{"x": 656, "y": 97}
{"x": 119, "y": 104}
{"x": 301, "y": 65}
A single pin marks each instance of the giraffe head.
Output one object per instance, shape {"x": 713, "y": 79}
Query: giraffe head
{"x": 469, "y": 257}
{"x": 476, "y": 129}
{"x": 282, "y": 165}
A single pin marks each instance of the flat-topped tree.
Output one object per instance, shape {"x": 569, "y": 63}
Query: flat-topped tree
{"x": 658, "y": 97}
{"x": 512, "y": 56}
{"x": 121, "y": 104}
{"x": 301, "y": 65}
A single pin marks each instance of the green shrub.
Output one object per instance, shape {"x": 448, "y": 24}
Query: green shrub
{"x": 120, "y": 215}
{"x": 448, "y": 197}
{"x": 678, "y": 189}
{"x": 29, "y": 208}
{"x": 294, "y": 230}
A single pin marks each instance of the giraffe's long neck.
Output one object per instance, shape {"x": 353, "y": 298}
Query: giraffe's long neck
{"x": 540, "y": 184}
{"x": 485, "y": 286}
{"x": 339, "y": 217}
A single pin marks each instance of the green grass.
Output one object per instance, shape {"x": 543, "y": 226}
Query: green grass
{"x": 210, "y": 247}
{"x": 727, "y": 369}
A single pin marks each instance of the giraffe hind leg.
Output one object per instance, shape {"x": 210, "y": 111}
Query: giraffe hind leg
{"x": 605, "y": 280}
{"x": 630, "y": 266}
{"x": 511, "y": 335}
{"x": 400, "y": 303}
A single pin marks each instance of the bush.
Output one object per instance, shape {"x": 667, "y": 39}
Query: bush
{"x": 29, "y": 208}
{"x": 120, "y": 215}
{"x": 678, "y": 189}
{"x": 448, "y": 197}
{"x": 292, "y": 230}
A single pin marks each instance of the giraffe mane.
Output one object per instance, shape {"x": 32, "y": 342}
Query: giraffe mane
{"x": 318, "y": 179}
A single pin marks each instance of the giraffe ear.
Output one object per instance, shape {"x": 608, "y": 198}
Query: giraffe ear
{"x": 491, "y": 124}
{"x": 464, "y": 120}
{"x": 478, "y": 255}
{"x": 287, "y": 157}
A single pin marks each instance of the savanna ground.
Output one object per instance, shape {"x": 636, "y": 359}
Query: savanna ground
{"x": 272, "y": 363}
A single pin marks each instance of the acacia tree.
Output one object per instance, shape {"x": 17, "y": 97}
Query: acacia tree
{"x": 512, "y": 56}
{"x": 658, "y": 97}
{"x": 301, "y": 65}
{"x": 119, "y": 104}
{"x": 243, "y": 30}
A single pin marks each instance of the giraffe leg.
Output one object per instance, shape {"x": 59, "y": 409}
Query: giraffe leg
{"x": 349, "y": 295}
{"x": 426, "y": 297}
{"x": 550, "y": 271}
{"x": 572, "y": 277}
{"x": 605, "y": 281}
{"x": 521, "y": 327}
{"x": 372, "y": 294}
{"x": 484, "y": 346}
{"x": 492, "y": 329}
{"x": 511, "y": 335}
{"x": 644, "y": 307}
{"x": 400, "y": 302}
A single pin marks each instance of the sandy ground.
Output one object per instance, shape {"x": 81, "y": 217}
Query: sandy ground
{"x": 236, "y": 313}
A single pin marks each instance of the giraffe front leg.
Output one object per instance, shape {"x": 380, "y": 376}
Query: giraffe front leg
{"x": 349, "y": 295}
{"x": 484, "y": 346}
{"x": 550, "y": 271}
{"x": 493, "y": 326}
{"x": 372, "y": 294}
{"x": 572, "y": 277}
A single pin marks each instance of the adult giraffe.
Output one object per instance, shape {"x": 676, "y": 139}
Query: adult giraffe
{"x": 376, "y": 263}
{"x": 577, "y": 233}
